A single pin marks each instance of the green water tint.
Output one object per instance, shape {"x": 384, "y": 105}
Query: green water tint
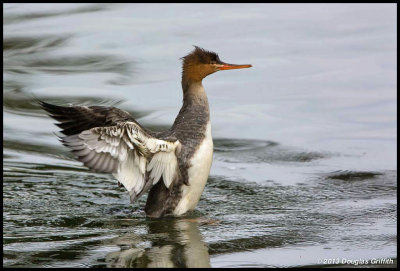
{"x": 64, "y": 216}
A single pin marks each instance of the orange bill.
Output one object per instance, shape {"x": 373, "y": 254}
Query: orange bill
{"x": 227, "y": 66}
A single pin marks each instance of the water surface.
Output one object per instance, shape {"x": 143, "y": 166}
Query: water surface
{"x": 305, "y": 165}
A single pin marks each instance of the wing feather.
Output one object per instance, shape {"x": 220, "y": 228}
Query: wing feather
{"x": 107, "y": 139}
{"x": 128, "y": 152}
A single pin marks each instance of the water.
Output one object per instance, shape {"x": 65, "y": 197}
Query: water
{"x": 305, "y": 165}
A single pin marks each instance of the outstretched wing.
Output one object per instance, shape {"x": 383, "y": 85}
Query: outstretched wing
{"x": 117, "y": 145}
{"x": 75, "y": 119}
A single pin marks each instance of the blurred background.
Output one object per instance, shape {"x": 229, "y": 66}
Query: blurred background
{"x": 305, "y": 165}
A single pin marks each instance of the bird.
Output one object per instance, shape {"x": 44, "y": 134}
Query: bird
{"x": 182, "y": 246}
{"x": 172, "y": 165}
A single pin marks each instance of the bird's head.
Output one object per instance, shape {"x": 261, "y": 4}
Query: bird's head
{"x": 199, "y": 63}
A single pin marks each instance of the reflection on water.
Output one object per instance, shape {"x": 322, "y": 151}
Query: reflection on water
{"x": 176, "y": 243}
{"x": 260, "y": 151}
{"x": 20, "y": 46}
{"x": 69, "y": 64}
{"x": 304, "y": 143}
{"x": 7, "y": 19}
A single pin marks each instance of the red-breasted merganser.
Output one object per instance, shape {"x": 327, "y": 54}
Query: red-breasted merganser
{"x": 174, "y": 164}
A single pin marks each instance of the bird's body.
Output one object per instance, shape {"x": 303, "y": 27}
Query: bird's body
{"x": 174, "y": 164}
